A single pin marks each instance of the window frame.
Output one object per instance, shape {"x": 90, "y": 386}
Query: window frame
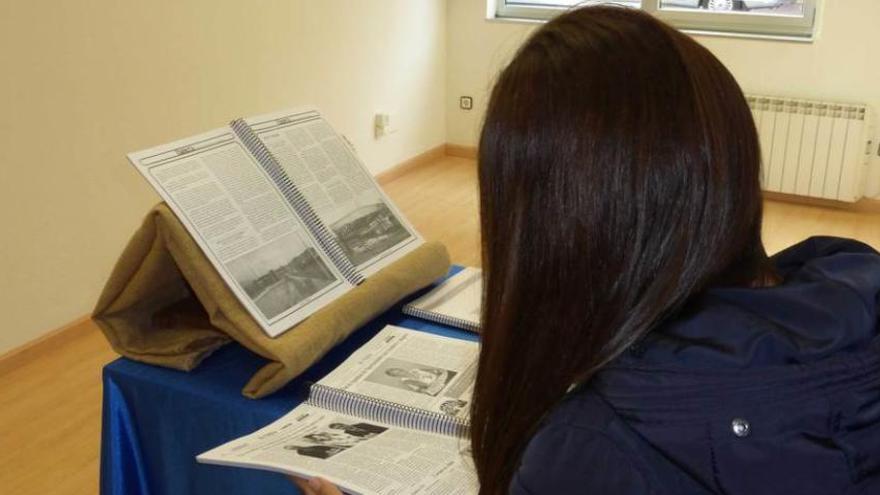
{"x": 731, "y": 24}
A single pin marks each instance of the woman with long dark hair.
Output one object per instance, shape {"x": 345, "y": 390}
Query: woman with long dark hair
{"x": 636, "y": 338}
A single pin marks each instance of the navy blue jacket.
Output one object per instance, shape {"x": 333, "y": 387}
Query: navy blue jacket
{"x": 747, "y": 392}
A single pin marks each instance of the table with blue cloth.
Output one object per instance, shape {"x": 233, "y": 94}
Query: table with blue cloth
{"x": 156, "y": 420}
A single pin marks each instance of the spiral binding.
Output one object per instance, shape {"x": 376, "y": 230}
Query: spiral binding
{"x": 383, "y": 411}
{"x": 297, "y": 201}
{"x": 452, "y": 321}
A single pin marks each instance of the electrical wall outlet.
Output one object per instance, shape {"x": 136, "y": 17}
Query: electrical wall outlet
{"x": 465, "y": 102}
{"x": 382, "y": 125}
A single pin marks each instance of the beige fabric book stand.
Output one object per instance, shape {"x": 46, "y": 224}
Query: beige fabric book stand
{"x": 165, "y": 304}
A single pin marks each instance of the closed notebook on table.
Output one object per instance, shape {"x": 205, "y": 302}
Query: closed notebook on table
{"x": 456, "y": 302}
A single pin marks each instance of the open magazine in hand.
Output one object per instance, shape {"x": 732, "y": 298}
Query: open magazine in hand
{"x": 392, "y": 419}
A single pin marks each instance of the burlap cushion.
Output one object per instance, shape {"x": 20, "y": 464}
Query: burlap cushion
{"x": 165, "y": 304}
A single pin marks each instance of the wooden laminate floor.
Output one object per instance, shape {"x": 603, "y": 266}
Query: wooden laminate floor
{"x": 50, "y": 405}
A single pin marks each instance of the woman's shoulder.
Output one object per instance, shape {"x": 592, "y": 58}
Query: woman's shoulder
{"x": 847, "y": 261}
{"x": 582, "y": 447}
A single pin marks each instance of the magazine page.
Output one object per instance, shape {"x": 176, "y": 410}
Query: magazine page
{"x": 344, "y": 195}
{"x": 244, "y": 226}
{"x": 456, "y": 302}
{"x": 358, "y": 456}
{"x": 413, "y": 369}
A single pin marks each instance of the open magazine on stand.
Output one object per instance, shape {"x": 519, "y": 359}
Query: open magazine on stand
{"x": 283, "y": 209}
{"x": 391, "y": 419}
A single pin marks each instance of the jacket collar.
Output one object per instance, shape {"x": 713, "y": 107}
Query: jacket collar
{"x": 827, "y": 305}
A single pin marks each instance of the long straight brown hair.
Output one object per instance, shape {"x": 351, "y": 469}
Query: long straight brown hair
{"x": 618, "y": 170}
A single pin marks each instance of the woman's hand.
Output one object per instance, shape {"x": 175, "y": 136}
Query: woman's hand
{"x": 315, "y": 486}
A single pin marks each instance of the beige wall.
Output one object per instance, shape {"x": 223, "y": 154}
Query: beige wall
{"x": 85, "y": 82}
{"x": 840, "y": 65}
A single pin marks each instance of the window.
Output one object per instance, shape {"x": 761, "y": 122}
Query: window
{"x": 783, "y": 19}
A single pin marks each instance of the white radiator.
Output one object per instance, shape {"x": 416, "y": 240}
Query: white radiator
{"x": 812, "y": 148}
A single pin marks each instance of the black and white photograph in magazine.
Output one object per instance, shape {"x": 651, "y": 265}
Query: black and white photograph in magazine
{"x": 453, "y": 407}
{"x": 338, "y": 437}
{"x": 281, "y": 275}
{"x": 414, "y": 377}
{"x": 367, "y": 231}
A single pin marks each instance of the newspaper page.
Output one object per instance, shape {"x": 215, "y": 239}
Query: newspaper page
{"x": 241, "y": 221}
{"x": 344, "y": 195}
{"x": 411, "y": 368}
{"x": 456, "y": 302}
{"x": 358, "y": 456}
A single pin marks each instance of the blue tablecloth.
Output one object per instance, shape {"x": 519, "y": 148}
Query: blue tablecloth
{"x": 156, "y": 420}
